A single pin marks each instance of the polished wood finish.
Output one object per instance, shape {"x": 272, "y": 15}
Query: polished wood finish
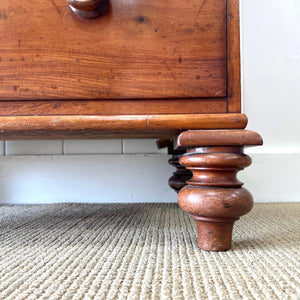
{"x": 214, "y": 196}
{"x": 137, "y": 49}
{"x": 143, "y": 69}
{"x": 216, "y": 169}
{"x": 194, "y": 138}
{"x": 86, "y": 5}
{"x": 97, "y": 11}
{"x": 117, "y": 126}
{"x": 233, "y": 57}
{"x": 112, "y": 107}
{"x": 179, "y": 178}
{"x": 88, "y": 8}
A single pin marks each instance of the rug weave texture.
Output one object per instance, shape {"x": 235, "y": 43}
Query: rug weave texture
{"x": 144, "y": 251}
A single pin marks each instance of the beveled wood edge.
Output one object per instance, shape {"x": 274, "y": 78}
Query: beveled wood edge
{"x": 233, "y": 57}
{"x": 140, "y": 126}
{"x": 199, "y": 138}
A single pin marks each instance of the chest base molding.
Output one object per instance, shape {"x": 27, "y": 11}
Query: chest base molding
{"x": 113, "y": 126}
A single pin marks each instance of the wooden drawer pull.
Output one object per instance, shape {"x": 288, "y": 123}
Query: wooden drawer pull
{"x": 88, "y": 8}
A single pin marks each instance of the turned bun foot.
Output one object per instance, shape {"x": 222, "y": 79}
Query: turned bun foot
{"x": 214, "y": 234}
{"x": 180, "y": 176}
{"x": 213, "y": 196}
{"x": 215, "y": 210}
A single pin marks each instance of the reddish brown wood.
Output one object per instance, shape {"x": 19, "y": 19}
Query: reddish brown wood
{"x": 137, "y": 49}
{"x": 136, "y": 126}
{"x": 164, "y": 143}
{"x": 86, "y": 5}
{"x": 213, "y": 196}
{"x": 88, "y": 8}
{"x": 112, "y": 107}
{"x": 35, "y": 56}
{"x": 180, "y": 176}
{"x": 233, "y": 57}
{"x": 194, "y": 138}
{"x": 144, "y": 69}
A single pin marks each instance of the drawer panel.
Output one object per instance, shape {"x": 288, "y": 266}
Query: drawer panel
{"x": 137, "y": 49}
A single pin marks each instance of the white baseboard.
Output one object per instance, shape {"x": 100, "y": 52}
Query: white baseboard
{"x": 85, "y": 178}
{"x": 130, "y": 178}
{"x": 273, "y": 177}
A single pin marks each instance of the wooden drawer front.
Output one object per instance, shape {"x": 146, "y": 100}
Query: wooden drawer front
{"x": 137, "y": 49}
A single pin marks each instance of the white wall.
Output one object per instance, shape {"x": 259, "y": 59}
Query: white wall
{"x": 134, "y": 171}
{"x": 271, "y": 71}
{"x": 271, "y": 90}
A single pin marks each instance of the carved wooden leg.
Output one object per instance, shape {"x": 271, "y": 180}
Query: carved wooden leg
{"x": 214, "y": 197}
{"x": 180, "y": 176}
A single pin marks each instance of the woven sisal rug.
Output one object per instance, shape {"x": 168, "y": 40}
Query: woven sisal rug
{"x": 144, "y": 251}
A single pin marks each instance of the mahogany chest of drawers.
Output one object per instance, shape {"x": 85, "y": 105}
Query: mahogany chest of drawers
{"x": 136, "y": 69}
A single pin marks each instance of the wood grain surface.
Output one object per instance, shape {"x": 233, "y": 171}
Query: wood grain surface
{"x": 198, "y": 138}
{"x": 136, "y": 126}
{"x": 213, "y": 195}
{"x": 233, "y": 57}
{"x": 137, "y": 49}
{"x": 112, "y": 107}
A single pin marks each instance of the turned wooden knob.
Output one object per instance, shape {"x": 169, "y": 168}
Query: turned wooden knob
{"x": 88, "y": 8}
